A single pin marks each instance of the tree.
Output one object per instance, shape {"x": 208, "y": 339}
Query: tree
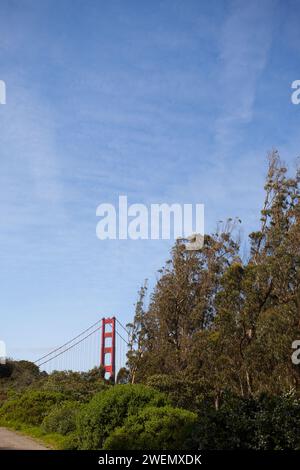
{"x": 225, "y": 322}
{"x": 137, "y": 334}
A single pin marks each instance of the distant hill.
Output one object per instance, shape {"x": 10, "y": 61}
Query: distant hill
{"x": 16, "y": 376}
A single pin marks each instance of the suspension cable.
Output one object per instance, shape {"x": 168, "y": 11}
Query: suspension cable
{"x": 68, "y": 342}
{"x": 122, "y": 338}
{"x": 122, "y": 326}
{"x": 71, "y": 347}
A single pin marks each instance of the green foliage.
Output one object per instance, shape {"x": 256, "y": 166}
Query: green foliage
{"x": 232, "y": 426}
{"x": 62, "y": 418}
{"x": 123, "y": 376}
{"x": 266, "y": 423}
{"x": 181, "y": 391}
{"x": 17, "y": 376}
{"x": 137, "y": 335}
{"x": 77, "y": 386}
{"x": 217, "y": 327}
{"x": 164, "y": 428}
{"x": 33, "y": 401}
{"x": 70, "y": 442}
{"x": 226, "y": 322}
{"x": 6, "y": 370}
{"x": 277, "y": 423}
{"x": 108, "y": 410}
{"x": 30, "y": 407}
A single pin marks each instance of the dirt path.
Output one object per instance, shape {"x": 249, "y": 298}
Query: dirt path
{"x": 10, "y": 440}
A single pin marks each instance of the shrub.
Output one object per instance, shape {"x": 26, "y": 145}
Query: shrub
{"x": 76, "y": 386}
{"x": 31, "y": 407}
{"x": 232, "y": 426}
{"x": 277, "y": 423}
{"x": 183, "y": 393}
{"x": 153, "y": 428}
{"x": 71, "y": 442}
{"x": 6, "y": 370}
{"x": 264, "y": 423}
{"x": 109, "y": 409}
{"x": 62, "y": 418}
{"x": 17, "y": 376}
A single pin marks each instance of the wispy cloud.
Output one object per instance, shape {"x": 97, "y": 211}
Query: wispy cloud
{"x": 245, "y": 41}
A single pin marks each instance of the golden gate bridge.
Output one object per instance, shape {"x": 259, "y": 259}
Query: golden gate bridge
{"x": 105, "y": 343}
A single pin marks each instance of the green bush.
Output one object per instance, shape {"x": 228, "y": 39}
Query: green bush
{"x": 76, "y": 386}
{"x": 62, "y": 418}
{"x": 31, "y": 407}
{"x": 70, "y": 442}
{"x": 277, "y": 423}
{"x": 183, "y": 393}
{"x": 264, "y": 423}
{"x": 109, "y": 409}
{"x": 17, "y": 376}
{"x": 232, "y": 426}
{"x": 153, "y": 428}
{"x": 6, "y": 370}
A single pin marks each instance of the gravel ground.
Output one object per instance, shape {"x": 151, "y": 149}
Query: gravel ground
{"x": 10, "y": 440}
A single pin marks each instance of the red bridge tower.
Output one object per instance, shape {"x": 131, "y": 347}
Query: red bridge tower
{"x": 108, "y": 346}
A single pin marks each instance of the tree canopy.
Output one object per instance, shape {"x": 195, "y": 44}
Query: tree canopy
{"x": 221, "y": 321}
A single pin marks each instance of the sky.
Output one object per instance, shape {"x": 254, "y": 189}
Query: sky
{"x": 162, "y": 101}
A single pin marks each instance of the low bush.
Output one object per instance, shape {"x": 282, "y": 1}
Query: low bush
{"x": 183, "y": 393}
{"x": 153, "y": 428}
{"x": 31, "y": 407}
{"x": 264, "y": 423}
{"x": 109, "y": 409}
{"x": 277, "y": 423}
{"x": 17, "y": 376}
{"x": 62, "y": 418}
{"x": 76, "y": 386}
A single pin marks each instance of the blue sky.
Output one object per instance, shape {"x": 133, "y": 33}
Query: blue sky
{"x": 164, "y": 101}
